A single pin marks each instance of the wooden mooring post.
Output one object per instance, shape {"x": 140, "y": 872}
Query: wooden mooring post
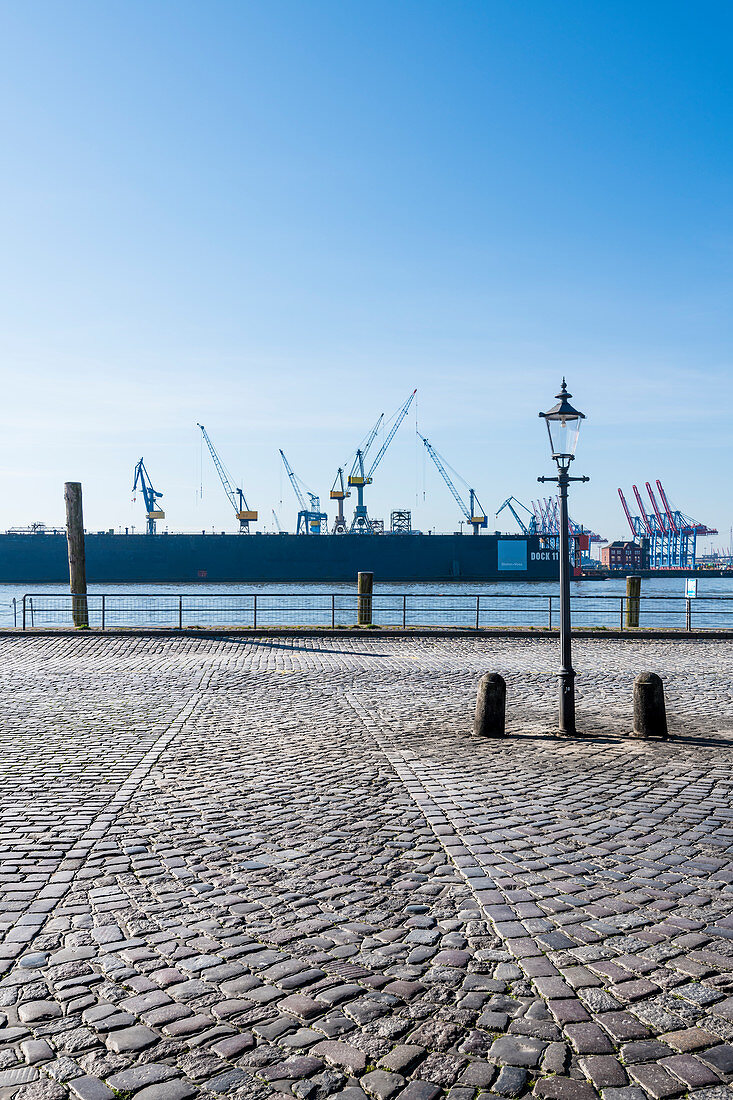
{"x": 365, "y": 584}
{"x": 77, "y": 557}
{"x": 633, "y": 600}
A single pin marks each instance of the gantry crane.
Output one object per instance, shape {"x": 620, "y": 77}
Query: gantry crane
{"x": 528, "y": 528}
{"x": 473, "y": 511}
{"x": 361, "y": 524}
{"x": 242, "y": 510}
{"x": 339, "y": 492}
{"x": 150, "y": 496}
{"x": 668, "y": 534}
{"x": 309, "y": 519}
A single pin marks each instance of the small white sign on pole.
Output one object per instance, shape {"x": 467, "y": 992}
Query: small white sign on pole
{"x": 690, "y": 587}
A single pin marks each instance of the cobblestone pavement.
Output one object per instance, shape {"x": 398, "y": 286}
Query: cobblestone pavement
{"x": 259, "y": 866}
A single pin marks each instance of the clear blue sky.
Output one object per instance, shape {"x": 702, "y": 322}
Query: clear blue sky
{"x": 279, "y": 218}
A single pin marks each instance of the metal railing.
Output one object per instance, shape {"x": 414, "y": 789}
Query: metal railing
{"x": 390, "y": 609}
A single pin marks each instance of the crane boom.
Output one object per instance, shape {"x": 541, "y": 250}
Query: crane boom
{"x": 655, "y": 506}
{"x": 627, "y": 513}
{"x": 668, "y": 510}
{"x": 293, "y": 480}
{"x": 446, "y": 478}
{"x": 522, "y": 525}
{"x": 236, "y": 497}
{"x": 357, "y": 469}
{"x": 644, "y": 517}
{"x": 393, "y": 431}
{"x": 473, "y": 511}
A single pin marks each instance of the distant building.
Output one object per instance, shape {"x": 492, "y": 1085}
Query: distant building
{"x": 622, "y": 555}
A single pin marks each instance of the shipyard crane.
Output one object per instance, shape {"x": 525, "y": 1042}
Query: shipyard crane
{"x": 150, "y": 496}
{"x": 277, "y": 522}
{"x": 236, "y": 497}
{"x": 473, "y": 511}
{"x": 309, "y": 519}
{"x": 357, "y": 471}
{"x": 361, "y": 524}
{"x": 529, "y": 528}
{"x": 339, "y": 492}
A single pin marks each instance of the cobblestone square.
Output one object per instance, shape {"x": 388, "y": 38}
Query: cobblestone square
{"x": 255, "y": 866}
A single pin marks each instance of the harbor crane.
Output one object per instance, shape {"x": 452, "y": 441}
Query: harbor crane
{"x": 277, "y": 522}
{"x": 361, "y": 524}
{"x": 473, "y": 511}
{"x": 527, "y": 528}
{"x": 150, "y": 496}
{"x": 309, "y": 519}
{"x": 670, "y": 537}
{"x": 339, "y": 492}
{"x": 242, "y": 510}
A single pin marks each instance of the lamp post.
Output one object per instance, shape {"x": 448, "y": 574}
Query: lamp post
{"x": 563, "y": 425}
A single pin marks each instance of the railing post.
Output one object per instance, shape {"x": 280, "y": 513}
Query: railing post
{"x": 33, "y": 617}
{"x": 180, "y": 612}
{"x": 404, "y": 610}
{"x": 549, "y": 612}
{"x": 688, "y": 614}
{"x": 254, "y": 611}
{"x": 333, "y": 609}
{"x": 478, "y": 610}
{"x": 24, "y": 613}
{"x": 623, "y": 599}
{"x": 103, "y": 608}
{"x": 15, "y": 613}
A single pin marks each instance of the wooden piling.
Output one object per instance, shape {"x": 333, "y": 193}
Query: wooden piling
{"x": 365, "y": 584}
{"x": 77, "y": 556}
{"x": 633, "y": 600}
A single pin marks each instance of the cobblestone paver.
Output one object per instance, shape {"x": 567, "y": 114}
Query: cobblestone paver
{"x": 258, "y": 866}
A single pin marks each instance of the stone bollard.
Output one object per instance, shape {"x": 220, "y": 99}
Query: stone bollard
{"x": 490, "y": 706}
{"x": 650, "y": 718}
{"x": 365, "y": 582}
{"x": 633, "y": 600}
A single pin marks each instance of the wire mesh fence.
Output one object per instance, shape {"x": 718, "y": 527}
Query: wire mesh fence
{"x": 103, "y": 611}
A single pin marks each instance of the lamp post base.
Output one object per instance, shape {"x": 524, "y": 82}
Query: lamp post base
{"x": 566, "y": 716}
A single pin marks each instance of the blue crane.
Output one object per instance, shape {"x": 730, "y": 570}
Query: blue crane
{"x": 473, "y": 511}
{"x": 528, "y": 528}
{"x": 236, "y": 497}
{"x": 309, "y": 519}
{"x": 150, "y": 496}
{"x": 361, "y": 524}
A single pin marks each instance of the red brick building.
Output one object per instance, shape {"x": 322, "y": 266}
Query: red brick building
{"x": 622, "y": 555}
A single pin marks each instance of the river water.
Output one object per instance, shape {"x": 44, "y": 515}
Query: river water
{"x": 519, "y": 603}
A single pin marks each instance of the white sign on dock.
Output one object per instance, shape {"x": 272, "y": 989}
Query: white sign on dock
{"x": 690, "y": 587}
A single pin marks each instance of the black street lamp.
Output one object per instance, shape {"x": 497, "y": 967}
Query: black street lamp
{"x": 563, "y": 425}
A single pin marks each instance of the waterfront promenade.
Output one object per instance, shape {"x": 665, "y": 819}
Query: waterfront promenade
{"x": 252, "y": 866}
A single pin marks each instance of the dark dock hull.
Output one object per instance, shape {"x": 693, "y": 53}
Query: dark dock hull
{"x": 171, "y": 558}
